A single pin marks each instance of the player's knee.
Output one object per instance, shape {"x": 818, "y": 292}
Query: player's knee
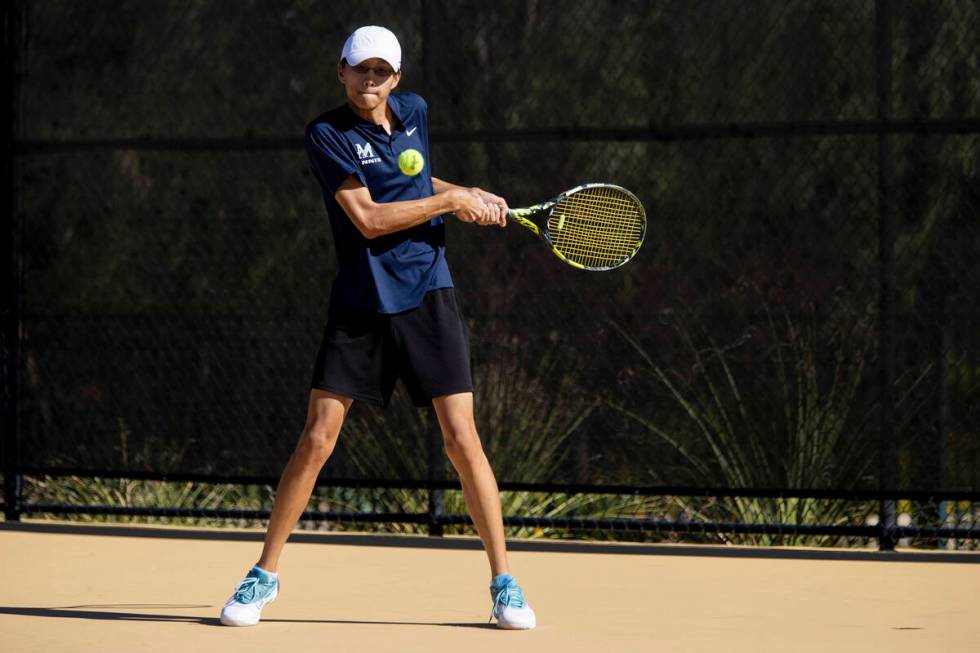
{"x": 463, "y": 445}
{"x": 317, "y": 442}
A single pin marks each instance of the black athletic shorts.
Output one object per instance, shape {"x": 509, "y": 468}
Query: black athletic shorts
{"x": 363, "y": 354}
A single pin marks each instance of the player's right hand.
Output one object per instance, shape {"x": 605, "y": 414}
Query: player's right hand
{"x": 470, "y": 207}
{"x": 497, "y": 214}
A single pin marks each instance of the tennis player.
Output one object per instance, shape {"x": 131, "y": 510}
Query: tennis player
{"x": 392, "y": 311}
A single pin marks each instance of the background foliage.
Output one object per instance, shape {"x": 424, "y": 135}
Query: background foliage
{"x": 176, "y": 256}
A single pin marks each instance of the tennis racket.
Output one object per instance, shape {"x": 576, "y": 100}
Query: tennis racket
{"x": 592, "y": 227}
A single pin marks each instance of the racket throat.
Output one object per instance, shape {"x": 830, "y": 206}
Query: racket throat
{"x": 527, "y": 220}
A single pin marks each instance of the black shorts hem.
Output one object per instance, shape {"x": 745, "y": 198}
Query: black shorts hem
{"x": 356, "y": 396}
{"x": 441, "y": 393}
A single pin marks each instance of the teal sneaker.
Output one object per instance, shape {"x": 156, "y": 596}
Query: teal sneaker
{"x": 509, "y": 605}
{"x": 251, "y": 595}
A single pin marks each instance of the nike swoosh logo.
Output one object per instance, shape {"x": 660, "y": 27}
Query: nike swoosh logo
{"x": 411, "y": 131}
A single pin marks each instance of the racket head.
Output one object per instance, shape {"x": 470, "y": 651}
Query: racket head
{"x": 596, "y": 227}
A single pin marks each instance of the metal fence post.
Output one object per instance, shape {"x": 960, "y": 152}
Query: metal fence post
{"x": 10, "y": 264}
{"x": 945, "y": 343}
{"x": 886, "y": 252}
{"x": 436, "y": 507}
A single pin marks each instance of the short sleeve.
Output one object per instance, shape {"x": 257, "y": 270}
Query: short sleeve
{"x": 330, "y": 158}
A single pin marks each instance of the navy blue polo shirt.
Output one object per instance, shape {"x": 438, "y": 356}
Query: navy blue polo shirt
{"x": 391, "y": 273}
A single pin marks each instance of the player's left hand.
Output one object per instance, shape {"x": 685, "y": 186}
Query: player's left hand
{"x": 497, "y": 213}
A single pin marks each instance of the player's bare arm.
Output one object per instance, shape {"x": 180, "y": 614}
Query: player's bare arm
{"x": 375, "y": 219}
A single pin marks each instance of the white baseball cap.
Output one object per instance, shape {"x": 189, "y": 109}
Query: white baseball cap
{"x": 370, "y": 42}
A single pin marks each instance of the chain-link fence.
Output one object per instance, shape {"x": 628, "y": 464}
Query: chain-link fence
{"x": 802, "y": 317}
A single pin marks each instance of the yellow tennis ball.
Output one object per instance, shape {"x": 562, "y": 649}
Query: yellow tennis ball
{"x": 411, "y": 162}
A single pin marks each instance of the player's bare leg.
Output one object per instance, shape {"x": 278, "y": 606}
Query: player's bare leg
{"x": 325, "y": 415}
{"x": 465, "y": 451}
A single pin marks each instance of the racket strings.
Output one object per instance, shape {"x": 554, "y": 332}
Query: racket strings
{"x": 597, "y": 227}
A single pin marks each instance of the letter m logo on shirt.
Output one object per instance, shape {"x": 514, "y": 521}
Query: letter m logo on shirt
{"x": 364, "y": 151}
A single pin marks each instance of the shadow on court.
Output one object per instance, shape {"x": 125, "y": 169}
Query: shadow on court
{"x": 86, "y": 612}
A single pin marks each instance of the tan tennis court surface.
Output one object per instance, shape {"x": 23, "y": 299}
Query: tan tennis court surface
{"x": 102, "y": 588}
